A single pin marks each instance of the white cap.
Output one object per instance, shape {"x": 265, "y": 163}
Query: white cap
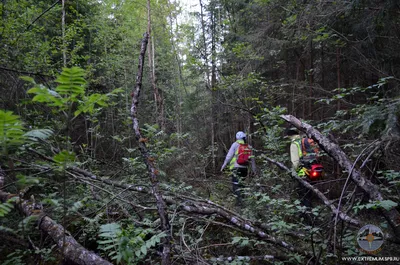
{"x": 240, "y": 135}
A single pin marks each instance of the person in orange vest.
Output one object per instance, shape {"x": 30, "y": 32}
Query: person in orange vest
{"x": 238, "y": 158}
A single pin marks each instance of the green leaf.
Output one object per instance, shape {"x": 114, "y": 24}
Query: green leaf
{"x": 27, "y": 79}
{"x": 39, "y": 134}
{"x": 110, "y": 230}
{"x": 105, "y": 242}
{"x": 25, "y": 180}
{"x": 388, "y": 204}
{"x": 11, "y": 130}
{"x": 71, "y": 82}
{"x": 45, "y": 95}
{"x": 144, "y": 249}
{"x": 236, "y": 239}
{"x": 64, "y": 157}
{"x": 5, "y": 208}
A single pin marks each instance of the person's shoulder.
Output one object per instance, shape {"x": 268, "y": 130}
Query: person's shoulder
{"x": 235, "y": 144}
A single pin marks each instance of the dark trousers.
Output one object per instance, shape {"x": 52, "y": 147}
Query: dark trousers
{"x": 305, "y": 195}
{"x": 238, "y": 176}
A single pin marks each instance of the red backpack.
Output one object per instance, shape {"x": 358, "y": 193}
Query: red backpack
{"x": 243, "y": 156}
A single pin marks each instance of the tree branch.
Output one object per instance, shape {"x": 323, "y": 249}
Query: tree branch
{"x": 24, "y": 72}
{"x": 320, "y": 195}
{"x": 44, "y": 12}
{"x": 203, "y": 207}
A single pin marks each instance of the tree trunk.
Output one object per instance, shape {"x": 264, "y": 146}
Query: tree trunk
{"x": 64, "y": 48}
{"x": 150, "y": 51}
{"x": 2, "y": 177}
{"x": 161, "y": 206}
{"x": 210, "y": 85}
{"x": 311, "y": 81}
{"x": 339, "y": 85}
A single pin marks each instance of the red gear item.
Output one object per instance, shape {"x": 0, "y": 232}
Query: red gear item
{"x": 244, "y": 153}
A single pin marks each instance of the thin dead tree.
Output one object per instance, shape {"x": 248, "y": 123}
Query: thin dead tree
{"x": 161, "y": 206}
{"x": 392, "y": 216}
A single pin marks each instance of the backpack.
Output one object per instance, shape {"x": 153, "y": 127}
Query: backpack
{"x": 243, "y": 155}
{"x": 309, "y": 150}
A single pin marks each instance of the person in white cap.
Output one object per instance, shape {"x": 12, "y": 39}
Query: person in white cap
{"x": 238, "y": 158}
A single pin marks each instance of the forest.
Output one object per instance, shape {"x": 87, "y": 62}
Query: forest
{"x": 117, "y": 116}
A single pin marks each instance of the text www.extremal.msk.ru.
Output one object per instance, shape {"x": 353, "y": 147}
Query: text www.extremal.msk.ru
{"x": 370, "y": 258}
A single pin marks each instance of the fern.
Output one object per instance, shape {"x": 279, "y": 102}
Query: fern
{"x": 78, "y": 205}
{"x": 110, "y": 239}
{"x": 5, "y": 208}
{"x": 39, "y": 134}
{"x": 128, "y": 245}
{"x": 71, "y": 85}
{"x": 70, "y": 89}
{"x": 24, "y": 181}
{"x": 11, "y": 131}
{"x": 94, "y": 220}
{"x": 71, "y": 82}
{"x": 28, "y": 222}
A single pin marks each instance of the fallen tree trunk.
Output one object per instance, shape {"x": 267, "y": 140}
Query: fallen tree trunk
{"x": 205, "y": 208}
{"x": 320, "y": 195}
{"x": 69, "y": 247}
{"x": 245, "y": 258}
{"x": 392, "y": 216}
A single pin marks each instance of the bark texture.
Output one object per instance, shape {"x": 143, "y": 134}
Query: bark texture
{"x": 71, "y": 249}
{"x": 337, "y": 153}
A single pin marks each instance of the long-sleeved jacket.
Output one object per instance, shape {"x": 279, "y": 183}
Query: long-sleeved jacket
{"x": 231, "y": 157}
